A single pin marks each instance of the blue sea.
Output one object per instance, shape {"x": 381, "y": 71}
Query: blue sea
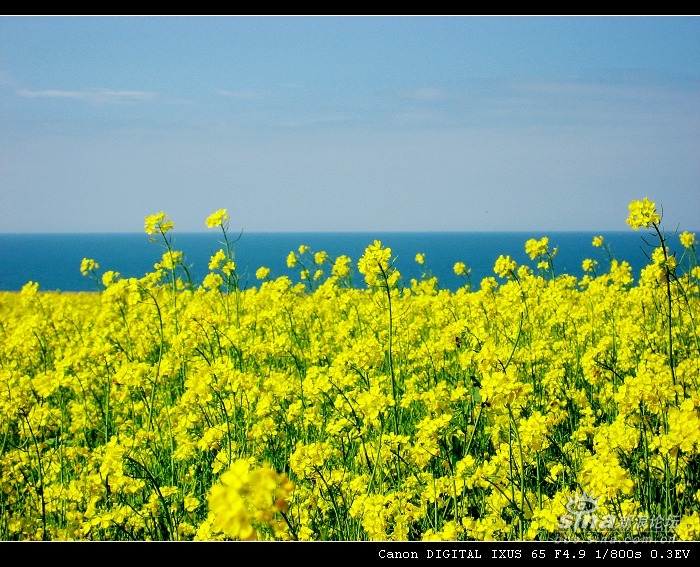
{"x": 53, "y": 260}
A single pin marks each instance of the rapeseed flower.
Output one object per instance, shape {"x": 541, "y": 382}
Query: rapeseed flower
{"x": 245, "y": 500}
{"x": 505, "y": 266}
{"x": 218, "y": 218}
{"x": 375, "y": 265}
{"x": 213, "y": 281}
{"x": 604, "y": 476}
{"x": 460, "y": 268}
{"x": 88, "y": 265}
{"x": 688, "y": 528}
{"x": 341, "y": 266}
{"x": 687, "y": 239}
{"x": 662, "y": 257}
{"x": 642, "y": 214}
{"x": 216, "y": 260}
{"x": 320, "y": 257}
{"x": 158, "y": 223}
{"x": 109, "y": 278}
{"x": 170, "y": 260}
{"x": 309, "y": 458}
{"x": 536, "y": 248}
{"x": 229, "y": 267}
{"x": 684, "y": 430}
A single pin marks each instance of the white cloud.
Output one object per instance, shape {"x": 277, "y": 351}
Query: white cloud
{"x": 95, "y": 96}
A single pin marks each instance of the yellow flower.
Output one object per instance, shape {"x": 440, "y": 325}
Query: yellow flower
{"x": 29, "y": 289}
{"x": 217, "y": 218}
{"x": 262, "y": 273}
{"x": 642, "y": 214}
{"x": 589, "y": 265}
{"x": 341, "y": 267}
{"x": 684, "y": 430}
{"x": 291, "y": 260}
{"x": 88, "y": 265}
{"x": 375, "y": 265}
{"x": 216, "y": 260}
{"x": 420, "y": 258}
{"x": 245, "y": 499}
{"x": 212, "y": 281}
{"x": 460, "y": 268}
{"x": 597, "y": 241}
{"x": 320, "y": 257}
{"x": 504, "y": 266}
{"x": 229, "y": 267}
{"x": 109, "y": 277}
{"x": 687, "y": 239}
{"x": 158, "y": 223}
{"x": 688, "y": 529}
{"x": 171, "y": 259}
{"x": 535, "y": 248}
{"x": 308, "y": 458}
{"x": 662, "y": 257}
{"x": 190, "y": 503}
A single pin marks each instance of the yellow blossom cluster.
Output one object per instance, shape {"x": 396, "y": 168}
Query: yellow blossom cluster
{"x": 642, "y": 214}
{"x": 244, "y": 499}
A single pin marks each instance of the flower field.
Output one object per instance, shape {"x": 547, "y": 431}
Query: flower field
{"x": 351, "y": 405}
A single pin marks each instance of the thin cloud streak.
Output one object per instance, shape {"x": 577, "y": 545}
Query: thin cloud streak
{"x": 96, "y": 96}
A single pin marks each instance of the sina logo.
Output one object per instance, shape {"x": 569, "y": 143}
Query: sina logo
{"x": 580, "y": 505}
{"x": 582, "y": 515}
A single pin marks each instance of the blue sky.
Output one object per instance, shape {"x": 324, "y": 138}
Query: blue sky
{"x": 391, "y": 123}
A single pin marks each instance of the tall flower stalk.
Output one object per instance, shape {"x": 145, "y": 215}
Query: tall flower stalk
{"x": 644, "y": 214}
{"x": 225, "y": 260}
{"x": 377, "y": 267}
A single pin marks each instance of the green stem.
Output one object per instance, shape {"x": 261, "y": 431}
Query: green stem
{"x": 667, "y": 272}
{"x": 394, "y": 388}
